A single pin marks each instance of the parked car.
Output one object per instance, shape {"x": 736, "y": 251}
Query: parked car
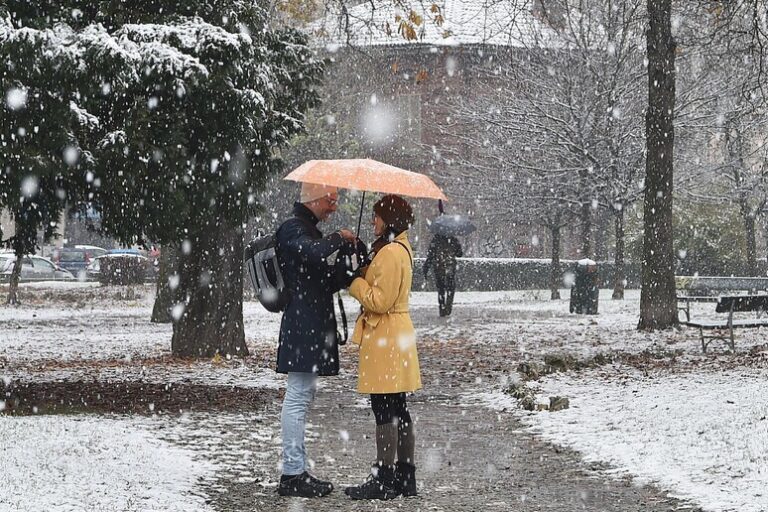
{"x": 152, "y": 254}
{"x": 98, "y": 251}
{"x": 33, "y": 268}
{"x": 76, "y": 259}
{"x": 125, "y": 251}
{"x": 120, "y": 268}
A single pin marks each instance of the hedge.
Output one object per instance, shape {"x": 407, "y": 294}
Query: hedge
{"x": 493, "y": 274}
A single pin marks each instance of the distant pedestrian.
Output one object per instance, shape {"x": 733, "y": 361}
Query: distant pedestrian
{"x": 308, "y": 344}
{"x": 441, "y": 256}
{"x": 389, "y": 363}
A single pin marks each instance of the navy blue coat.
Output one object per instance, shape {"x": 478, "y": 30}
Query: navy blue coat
{"x": 308, "y": 338}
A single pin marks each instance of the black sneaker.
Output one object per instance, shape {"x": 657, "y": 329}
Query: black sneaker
{"x": 380, "y": 486}
{"x": 304, "y": 486}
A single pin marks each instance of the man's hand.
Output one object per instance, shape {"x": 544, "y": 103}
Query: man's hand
{"x": 347, "y": 235}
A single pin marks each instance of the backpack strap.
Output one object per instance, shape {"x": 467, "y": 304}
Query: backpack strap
{"x": 343, "y": 320}
{"x": 406, "y": 250}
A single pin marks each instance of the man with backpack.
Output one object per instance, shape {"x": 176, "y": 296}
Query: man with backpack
{"x": 308, "y": 345}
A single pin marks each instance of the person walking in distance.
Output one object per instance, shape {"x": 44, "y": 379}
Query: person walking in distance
{"x": 308, "y": 344}
{"x": 441, "y": 256}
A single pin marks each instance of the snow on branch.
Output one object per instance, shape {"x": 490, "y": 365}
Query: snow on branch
{"x": 83, "y": 117}
{"x": 158, "y": 58}
{"x": 113, "y": 139}
{"x": 193, "y": 36}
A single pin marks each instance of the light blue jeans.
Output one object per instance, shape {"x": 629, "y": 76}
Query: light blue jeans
{"x": 299, "y": 394}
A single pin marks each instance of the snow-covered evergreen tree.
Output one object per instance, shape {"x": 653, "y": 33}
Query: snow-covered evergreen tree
{"x": 183, "y": 108}
{"x": 42, "y": 161}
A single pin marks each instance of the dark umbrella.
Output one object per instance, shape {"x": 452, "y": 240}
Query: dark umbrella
{"x": 452, "y": 225}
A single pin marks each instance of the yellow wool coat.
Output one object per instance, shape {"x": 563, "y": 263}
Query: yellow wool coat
{"x": 389, "y": 362}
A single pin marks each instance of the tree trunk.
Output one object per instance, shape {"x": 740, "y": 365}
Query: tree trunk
{"x": 586, "y": 230}
{"x": 600, "y": 235}
{"x": 554, "y": 276}
{"x": 658, "y": 306}
{"x": 749, "y": 231}
{"x": 167, "y": 293}
{"x": 23, "y": 243}
{"x": 619, "y": 271}
{"x": 13, "y": 287}
{"x": 212, "y": 278}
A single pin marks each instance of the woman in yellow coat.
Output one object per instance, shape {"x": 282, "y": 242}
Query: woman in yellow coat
{"x": 389, "y": 364}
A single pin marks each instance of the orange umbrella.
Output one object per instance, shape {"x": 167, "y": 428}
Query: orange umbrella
{"x": 366, "y": 175}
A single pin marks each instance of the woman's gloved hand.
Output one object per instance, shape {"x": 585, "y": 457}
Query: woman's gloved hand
{"x": 349, "y": 262}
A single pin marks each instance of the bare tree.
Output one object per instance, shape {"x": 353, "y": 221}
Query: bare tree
{"x": 746, "y": 173}
{"x": 563, "y": 107}
{"x": 723, "y": 115}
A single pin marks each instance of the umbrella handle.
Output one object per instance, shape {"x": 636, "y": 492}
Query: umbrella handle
{"x": 440, "y": 206}
{"x": 360, "y": 216}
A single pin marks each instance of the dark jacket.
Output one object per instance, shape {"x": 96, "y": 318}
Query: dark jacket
{"x": 442, "y": 254}
{"x": 308, "y": 339}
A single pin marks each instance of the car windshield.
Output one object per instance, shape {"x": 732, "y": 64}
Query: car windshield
{"x": 72, "y": 256}
{"x": 41, "y": 264}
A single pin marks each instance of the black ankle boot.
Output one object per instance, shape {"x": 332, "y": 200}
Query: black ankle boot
{"x": 405, "y": 474}
{"x": 381, "y": 485}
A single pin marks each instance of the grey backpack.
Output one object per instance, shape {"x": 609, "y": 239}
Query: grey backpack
{"x": 264, "y": 271}
{"x": 267, "y": 279}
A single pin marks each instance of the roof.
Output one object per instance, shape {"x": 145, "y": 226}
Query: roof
{"x": 466, "y": 22}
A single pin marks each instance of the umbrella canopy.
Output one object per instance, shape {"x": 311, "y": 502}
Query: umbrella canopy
{"x": 366, "y": 175}
{"x": 452, "y": 225}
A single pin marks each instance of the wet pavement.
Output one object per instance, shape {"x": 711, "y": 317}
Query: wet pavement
{"x": 469, "y": 459}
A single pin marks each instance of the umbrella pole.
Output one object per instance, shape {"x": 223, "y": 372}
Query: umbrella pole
{"x": 360, "y": 216}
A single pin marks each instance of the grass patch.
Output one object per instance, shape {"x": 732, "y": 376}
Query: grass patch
{"x": 34, "y": 398}
{"x": 555, "y": 363}
{"x": 523, "y": 394}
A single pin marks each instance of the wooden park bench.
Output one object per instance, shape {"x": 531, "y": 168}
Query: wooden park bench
{"x": 733, "y": 304}
{"x": 732, "y": 295}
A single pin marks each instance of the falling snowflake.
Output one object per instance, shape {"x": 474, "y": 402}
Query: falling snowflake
{"x": 16, "y": 98}
{"x": 177, "y": 311}
{"x": 29, "y": 186}
{"x": 71, "y": 155}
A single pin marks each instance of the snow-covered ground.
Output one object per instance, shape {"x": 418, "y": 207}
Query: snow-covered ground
{"x": 119, "y": 329}
{"x": 698, "y": 429}
{"x": 703, "y": 436}
{"x": 62, "y": 463}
